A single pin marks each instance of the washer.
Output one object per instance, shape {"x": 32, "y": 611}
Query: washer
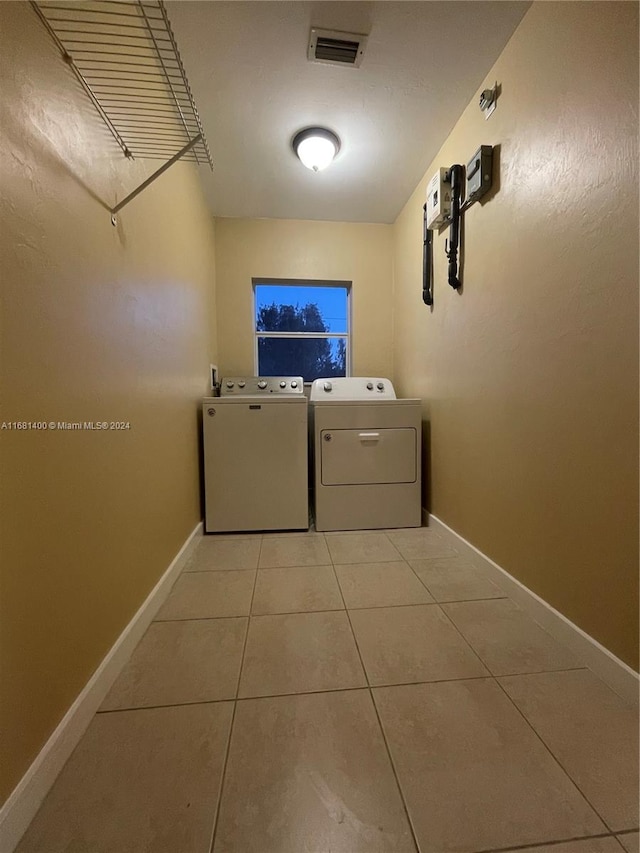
{"x": 366, "y": 446}
{"x": 255, "y": 455}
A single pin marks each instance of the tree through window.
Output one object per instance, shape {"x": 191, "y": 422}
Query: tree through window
{"x": 302, "y": 329}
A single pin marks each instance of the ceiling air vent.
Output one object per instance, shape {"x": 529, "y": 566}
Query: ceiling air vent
{"x": 336, "y": 48}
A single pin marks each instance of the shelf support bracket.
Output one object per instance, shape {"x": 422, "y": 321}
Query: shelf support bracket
{"x": 151, "y": 178}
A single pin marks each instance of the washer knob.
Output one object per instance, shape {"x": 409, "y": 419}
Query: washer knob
{"x": 283, "y": 384}
{"x": 328, "y": 386}
{"x": 262, "y": 384}
{"x": 229, "y": 384}
{"x": 294, "y": 384}
{"x": 380, "y": 386}
{"x": 369, "y": 386}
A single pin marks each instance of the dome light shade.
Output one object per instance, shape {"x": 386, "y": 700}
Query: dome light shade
{"x": 316, "y": 147}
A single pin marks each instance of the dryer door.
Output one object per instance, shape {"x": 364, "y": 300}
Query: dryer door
{"x": 353, "y": 457}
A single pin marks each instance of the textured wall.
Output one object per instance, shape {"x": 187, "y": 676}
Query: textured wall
{"x": 530, "y": 375}
{"x": 98, "y": 323}
{"x": 285, "y": 248}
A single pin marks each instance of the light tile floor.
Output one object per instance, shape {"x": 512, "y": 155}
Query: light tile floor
{"x": 347, "y": 693}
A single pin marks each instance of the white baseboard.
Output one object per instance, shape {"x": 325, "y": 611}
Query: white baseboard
{"x": 21, "y": 806}
{"x": 614, "y": 672}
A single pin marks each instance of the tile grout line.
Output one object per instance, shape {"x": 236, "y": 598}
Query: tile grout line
{"x": 536, "y": 844}
{"x": 360, "y": 687}
{"x": 223, "y": 774}
{"x": 340, "y": 609}
{"x": 201, "y": 618}
{"x": 473, "y": 600}
{"x": 168, "y": 705}
{"x": 330, "y": 690}
{"x": 246, "y": 639}
{"x": 337, "y": 609}
{"x": 213, "y": 571}
{"x": 540, "y": 671}
{"x": 332, "y": 610}
{"x": 375, "y": 710}
{"x": 551, "y": 753}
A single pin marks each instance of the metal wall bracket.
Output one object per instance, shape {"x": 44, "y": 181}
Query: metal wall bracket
{"x": 489, "y": 101}
{"x": 152, "y": 178}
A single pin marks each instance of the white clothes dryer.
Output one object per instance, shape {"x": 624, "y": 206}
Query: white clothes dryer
{"x": 366, "y": 447}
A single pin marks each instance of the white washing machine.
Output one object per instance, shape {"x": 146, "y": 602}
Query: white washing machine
{"x": 366, "y": 446}
{"x": 256, "y": 455}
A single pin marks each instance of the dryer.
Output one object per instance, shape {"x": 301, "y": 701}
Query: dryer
{"x": 255, "y": 455}
{"x": 366, "y": 447}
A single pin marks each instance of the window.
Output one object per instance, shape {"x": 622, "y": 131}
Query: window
{"x": 302, "y": 328}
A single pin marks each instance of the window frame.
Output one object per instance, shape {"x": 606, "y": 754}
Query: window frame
{"x": 301, "y": 282}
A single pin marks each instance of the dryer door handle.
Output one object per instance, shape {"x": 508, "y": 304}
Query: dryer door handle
{"x": 369, "y": 436}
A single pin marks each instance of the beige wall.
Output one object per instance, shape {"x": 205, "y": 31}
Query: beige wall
{"x": 283, "y": 248}
{"x": 98, "y": 323}
{"x": 530, "y": 376}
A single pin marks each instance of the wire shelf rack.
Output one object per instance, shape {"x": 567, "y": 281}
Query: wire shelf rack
{"x": 125, "y": 55}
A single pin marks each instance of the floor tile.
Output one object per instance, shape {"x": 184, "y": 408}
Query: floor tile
{"x": 288, "y": 534}
{"x": 506, "y": 639}
{"x": 362, "y": 548}
{"x": 406, "y": 644}
{"x": 300, "y": 652}
{"x": 454, "y": 579}
{"x": 138, "y": 780}
{"x": 225, "y": 554}
{"x": 310, "y": 773}
{"x": 421, "y": 543}
{"x": 329, "y": 533}
{"x": 296, "y": 590}
{"x": 587, "y": 845}
{"x": 178, "y": 662}
{"x": 205, "y": 595}
{"x": 222, "y": 537}
{"x": 401, "y": 534}
{"x": 380, "y": 585}
{"x": 474, "y": 775}
{"x": 294, "y": 551}
{"x": 592, "y": 733}
{"x": 629, "y": 842}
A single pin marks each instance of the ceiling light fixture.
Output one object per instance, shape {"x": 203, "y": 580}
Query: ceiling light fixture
{"x": 316, "y": 147}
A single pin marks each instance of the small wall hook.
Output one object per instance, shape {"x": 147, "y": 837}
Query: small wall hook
{"x": 488, "y": 100}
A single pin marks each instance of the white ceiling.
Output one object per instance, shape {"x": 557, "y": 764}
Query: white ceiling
{"x": 254, "y": 88}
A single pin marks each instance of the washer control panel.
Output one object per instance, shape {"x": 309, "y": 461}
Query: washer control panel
{"x": 352, "y": 388}
{"x": 244, "y": 386}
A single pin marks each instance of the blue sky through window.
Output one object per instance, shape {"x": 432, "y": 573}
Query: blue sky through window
{"x": 331, "y": 301}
